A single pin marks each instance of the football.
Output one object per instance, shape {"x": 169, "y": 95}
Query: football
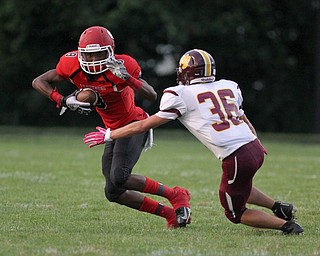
{"x": 88, "y": 95}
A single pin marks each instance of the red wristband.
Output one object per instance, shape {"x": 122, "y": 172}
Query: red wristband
{"x": 134, "y": 83}
{"x": 56, "y": 97}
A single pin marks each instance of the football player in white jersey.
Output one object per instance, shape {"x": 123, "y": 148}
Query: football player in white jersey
{"x": 212, "y": 111}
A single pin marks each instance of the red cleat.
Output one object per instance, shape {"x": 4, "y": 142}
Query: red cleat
{"x": 181, "y": 198}
{"x": 171, "y": 224}
{"x": 181, "y": 206}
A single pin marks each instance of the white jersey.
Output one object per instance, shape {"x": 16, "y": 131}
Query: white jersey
{"x": 210, "y": 111}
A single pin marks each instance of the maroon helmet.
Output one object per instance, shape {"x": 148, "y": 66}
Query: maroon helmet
{"x": 196, "y": 66}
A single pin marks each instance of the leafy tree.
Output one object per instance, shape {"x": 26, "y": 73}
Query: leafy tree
{"x": 267, "y": 46}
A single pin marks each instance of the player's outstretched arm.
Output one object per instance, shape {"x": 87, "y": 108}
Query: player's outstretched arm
{"x": 138, "y": 127}
{"x": 102, "y": 135}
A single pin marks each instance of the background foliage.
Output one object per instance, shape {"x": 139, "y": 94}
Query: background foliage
{"x": 268, "y": 47}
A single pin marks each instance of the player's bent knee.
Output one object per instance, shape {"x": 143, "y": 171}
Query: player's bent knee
{"x": 233, "y": 204}
{"x": 120, "y": 176}
{"x": 111, "y": 197}
{"x": 234, "y": 217}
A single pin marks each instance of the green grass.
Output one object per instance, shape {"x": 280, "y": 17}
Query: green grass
{"x": 52, "y": 200}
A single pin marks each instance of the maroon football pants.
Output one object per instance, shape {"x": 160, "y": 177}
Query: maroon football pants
{"x": 238, "y": 170}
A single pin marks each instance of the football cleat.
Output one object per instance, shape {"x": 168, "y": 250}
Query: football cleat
{"x": 292, "y": 228}
{"x": 284, "y": 211}
{"x": 172, "y": 224}
{"x": 183, "y": 216}
{"x": 181, "y": 205}
{"x": 180, "y": 198}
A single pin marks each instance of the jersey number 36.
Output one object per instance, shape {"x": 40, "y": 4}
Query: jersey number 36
{"x": 227, "y": 111}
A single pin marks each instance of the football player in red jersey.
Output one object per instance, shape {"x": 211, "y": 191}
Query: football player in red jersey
{"x": 212, "y": 111}
{"x": 116, "y": 78}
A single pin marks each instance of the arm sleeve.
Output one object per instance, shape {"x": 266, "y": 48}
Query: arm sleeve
{"x": 59, "y": 69}
{"x": 172, "y": 105}
{"x": 67, "y": 64}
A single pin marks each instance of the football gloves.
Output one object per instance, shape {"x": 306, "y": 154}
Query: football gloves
{"x": 118, "y": 69}
{"x": 70, "y": 102}
{"x": 96, "y": 138}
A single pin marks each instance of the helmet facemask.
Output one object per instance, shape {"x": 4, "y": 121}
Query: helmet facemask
{"x": 97, "y": 66}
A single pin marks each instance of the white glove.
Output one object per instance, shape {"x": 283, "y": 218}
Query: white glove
{"x": 73, "y": 104}
{"x": 118, "y": 69}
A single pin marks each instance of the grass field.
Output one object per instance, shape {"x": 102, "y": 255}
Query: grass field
{"x": 52, "y": 200}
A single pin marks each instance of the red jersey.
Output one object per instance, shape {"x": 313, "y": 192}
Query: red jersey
{"x": 115, "y": 92}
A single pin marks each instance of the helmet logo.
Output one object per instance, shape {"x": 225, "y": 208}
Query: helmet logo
{"x": 184, "y": 61}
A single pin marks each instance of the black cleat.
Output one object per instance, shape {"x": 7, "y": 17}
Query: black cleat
{"x": 292, "y": 228}
{"x": 284, "y": 211}
{"x": 183, "y": 216}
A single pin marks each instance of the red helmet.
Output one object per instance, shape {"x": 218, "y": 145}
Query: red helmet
{"x": 95, "y": 39}
{"x": 196, "y": 66}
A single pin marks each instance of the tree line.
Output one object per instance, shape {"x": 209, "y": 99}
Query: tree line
{"x": 270, "y": 48}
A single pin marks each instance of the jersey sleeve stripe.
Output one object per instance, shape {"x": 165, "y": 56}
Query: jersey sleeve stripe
{"x": 172, "y": 92}
{"x": 172, "y": 110}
